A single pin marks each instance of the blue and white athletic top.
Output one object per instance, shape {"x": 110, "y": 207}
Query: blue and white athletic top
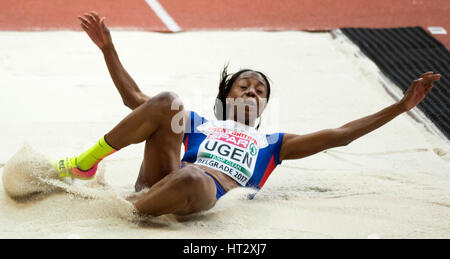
{"x": 235, "y": 149}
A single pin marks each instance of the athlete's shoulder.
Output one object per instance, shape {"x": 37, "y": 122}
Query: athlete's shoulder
{"x": 275, "y": 138}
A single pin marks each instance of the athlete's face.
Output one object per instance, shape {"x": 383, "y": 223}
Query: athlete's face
{"x": 249, "y": 95}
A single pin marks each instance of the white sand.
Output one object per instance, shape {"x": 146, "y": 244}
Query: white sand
{"x": 57, "y": 96}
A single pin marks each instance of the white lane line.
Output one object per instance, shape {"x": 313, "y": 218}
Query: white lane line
{"x": 163, "y": 15}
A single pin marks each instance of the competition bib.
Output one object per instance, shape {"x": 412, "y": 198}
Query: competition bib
{"x": 231, "y": 148}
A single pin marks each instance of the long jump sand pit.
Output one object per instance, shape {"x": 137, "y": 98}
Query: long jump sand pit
{"x": 57, "y": 100}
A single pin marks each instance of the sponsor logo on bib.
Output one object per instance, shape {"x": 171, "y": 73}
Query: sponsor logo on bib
{"x": 230, "y": 148}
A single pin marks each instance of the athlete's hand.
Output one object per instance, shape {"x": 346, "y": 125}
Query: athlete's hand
{"x": 418, "y": 90}
{"x": 95, "y": 27}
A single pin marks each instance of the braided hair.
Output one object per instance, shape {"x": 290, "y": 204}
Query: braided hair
{"x": 226, "y": 82}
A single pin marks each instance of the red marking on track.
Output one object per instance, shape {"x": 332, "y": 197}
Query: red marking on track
{"x": 310, "y": 15}
{"x": 62, "y": 14}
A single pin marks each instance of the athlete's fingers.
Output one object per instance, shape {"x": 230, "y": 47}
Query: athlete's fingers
{"x": 89, "y": 32}
{"x": 102, "y": 23}
{"x": 427, "y": 79}
{"x": 431, "y": 78}
{"x": 88, "y": 28}
{"x": 417, "y": 83}
{"x": 92, "y": 19}
{"x": 427, "y": 73}
{"x": 428, "y": 89}
{"x": 430, "y": 85}
{"x": 84, "y": 21}
{"x": 89, "y": 17}
{"x": 425, "y": 76}
{"x": 84, "y": 27}
{"x": 411, "y": 87}
{"x": 95, "y": 16}
{"x": 94, "y": 13}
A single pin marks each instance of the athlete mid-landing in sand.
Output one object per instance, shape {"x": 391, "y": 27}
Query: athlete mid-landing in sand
{"x": 219, "y": 154}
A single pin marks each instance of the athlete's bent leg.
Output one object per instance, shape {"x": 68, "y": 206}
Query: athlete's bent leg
{"x": 150, "y": 118}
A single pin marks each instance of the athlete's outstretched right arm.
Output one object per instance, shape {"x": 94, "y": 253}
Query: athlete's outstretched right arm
{"x": 299, "y": 146}
{"x": 95, "y": 27}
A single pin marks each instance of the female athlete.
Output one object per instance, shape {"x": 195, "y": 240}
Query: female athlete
{"x": 221, "y": 154}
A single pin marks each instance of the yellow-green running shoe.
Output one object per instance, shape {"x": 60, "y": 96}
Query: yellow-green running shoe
{"x": 67, "y": 167}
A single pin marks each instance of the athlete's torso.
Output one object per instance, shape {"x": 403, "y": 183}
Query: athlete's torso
{"x": 237, "y": 151}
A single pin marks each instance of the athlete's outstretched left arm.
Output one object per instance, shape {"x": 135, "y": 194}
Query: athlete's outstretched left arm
{"x": 96, "y": 29}
{"x": 299, "y": 146}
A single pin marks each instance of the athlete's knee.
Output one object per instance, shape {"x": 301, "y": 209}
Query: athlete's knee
{"x": 168, "y": 102}
{"x": 188, "y": 180}
{"x": 193, "y": 195}
{"x": 192, "y": 185}
{"x": 169, "y": 109}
